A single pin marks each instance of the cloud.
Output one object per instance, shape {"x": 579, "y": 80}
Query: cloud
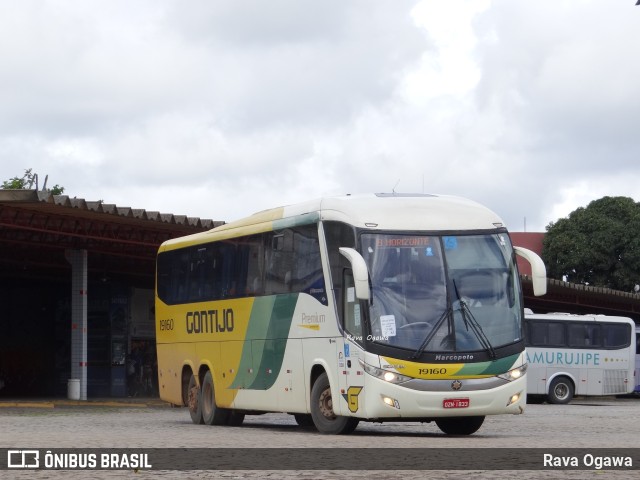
{"x": 574, "y": 85}
{"x": 292, "y": 63}
{"x": 227, "y": 107}
{"x": 559, "y": 79}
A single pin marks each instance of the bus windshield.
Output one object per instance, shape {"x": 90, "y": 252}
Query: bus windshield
{"x": 456, "y": 293}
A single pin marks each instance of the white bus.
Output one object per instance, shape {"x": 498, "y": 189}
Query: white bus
{"x": 637, "y": 382}
{"x": 579, "y": 355}
{"x": 380, "y": 307}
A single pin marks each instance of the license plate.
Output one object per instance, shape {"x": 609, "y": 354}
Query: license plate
{"x": 455, "y": 403}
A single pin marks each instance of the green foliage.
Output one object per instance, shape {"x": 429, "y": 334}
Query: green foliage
{"x": 598, "y": 245}
{"x": 27, "y": 182}
{"x": 56, "y": 190}
{"x": 19, "y": 183}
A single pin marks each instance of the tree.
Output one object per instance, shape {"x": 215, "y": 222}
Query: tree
{"x": 27, "y": 181}
{"x": 598, "y": 245}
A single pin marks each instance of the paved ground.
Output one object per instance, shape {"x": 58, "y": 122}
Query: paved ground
{"x": 593, "y": 424}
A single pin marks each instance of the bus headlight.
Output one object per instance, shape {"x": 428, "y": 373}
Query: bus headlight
{"x": 386, "y": 375}
{"x": 514, "y": 374}
{"x": 514, "y": 398}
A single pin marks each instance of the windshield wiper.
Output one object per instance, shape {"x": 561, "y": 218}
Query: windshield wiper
{"x": 445, "y": 315}
{"x": 470, "y": 320}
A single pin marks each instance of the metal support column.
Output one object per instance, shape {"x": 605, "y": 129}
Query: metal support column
{"x": 78, "y": 261}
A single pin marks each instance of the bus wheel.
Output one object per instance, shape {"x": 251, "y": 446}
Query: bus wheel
{"x": 193, "y": 401}
{"x": 211, "y": 414}
{"x": 235, "y": 419}
{"x": 304, "y": 420}
{"x": 560, "y": 391}
{"x": 459, "y": 425}
{"x": 322, "y": 410}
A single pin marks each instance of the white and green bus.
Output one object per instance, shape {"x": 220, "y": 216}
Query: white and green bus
{"x": 380, "y": 307}
{"x": 585, "y": 355}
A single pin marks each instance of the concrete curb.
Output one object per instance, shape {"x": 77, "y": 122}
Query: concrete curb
{"x": 21, "y": 404}
{"x": 142, "y": 403}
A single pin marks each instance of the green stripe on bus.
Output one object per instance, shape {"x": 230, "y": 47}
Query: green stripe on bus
{"x": 257, "y": 328}
{"x": 495, "y": 367}
{"x": 265, "y": 342}
{"x": 276, "y": 343}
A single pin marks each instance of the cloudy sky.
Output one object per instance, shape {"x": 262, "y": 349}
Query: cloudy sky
{"x": 219, "y": 108}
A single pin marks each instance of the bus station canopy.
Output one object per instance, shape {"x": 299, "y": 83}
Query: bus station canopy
{"x": 37, "y": 229}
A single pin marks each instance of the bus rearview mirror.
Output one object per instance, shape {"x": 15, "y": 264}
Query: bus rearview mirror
{"x": 538, "y": 270}
{"x": 360, "y": 272}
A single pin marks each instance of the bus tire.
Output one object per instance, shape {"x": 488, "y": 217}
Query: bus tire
{"x": 194, "y": 401}
{"x": 322, "y": 414}
{"x": 560, "y": 391}
{"x": 235, "y": 419}
{"x": 304, "y": 420}
{"x": 211, "y": 414}
{"x": 460, "y": 425}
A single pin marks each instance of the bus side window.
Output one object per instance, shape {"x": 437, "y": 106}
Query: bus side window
{"x": 616, "y": 335}
{"x": 545, "y": 334}
{"x": 278, "y": 260}
{"x": 352, "y": 315}
{"x": 306, "y": 274}
{"x": 249, "y": 266}
{"x": 293, "y": 263}
{"x": 165, "y": 293}
{"x": 582, "y": 335}
{"x": 181, "y": 275}
{"x": 538, "y": 333}
{"x": 556, "y": 333}
{"x": 338, "y": 235}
